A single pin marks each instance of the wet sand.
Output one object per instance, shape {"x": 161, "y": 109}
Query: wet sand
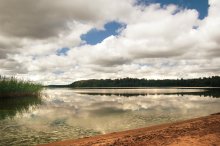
{"x": 204, "y": 131}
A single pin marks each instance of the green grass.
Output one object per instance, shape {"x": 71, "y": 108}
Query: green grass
{"x": 13, "y": 87}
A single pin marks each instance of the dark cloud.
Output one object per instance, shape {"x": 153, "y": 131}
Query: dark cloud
{"x": 213, "y": 53}
{"x": 28, "y": 18}
{"x": 46, "y": 18}
{"x": 8, "y": 47}
{"x": 3, "y": 53}
{"x": 110, "y": 61}
{"x": 12, "y": 66}
{"x": 158, "y": 54}
{"x": 106, "y": 70}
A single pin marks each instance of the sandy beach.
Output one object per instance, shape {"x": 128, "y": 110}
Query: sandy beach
{"x": 204, "y": 131}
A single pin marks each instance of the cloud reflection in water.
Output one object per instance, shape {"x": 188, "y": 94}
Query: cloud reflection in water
{"x": 67, "y": 114}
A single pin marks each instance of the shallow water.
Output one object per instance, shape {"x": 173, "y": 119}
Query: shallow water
{"x": 70, "y": 114}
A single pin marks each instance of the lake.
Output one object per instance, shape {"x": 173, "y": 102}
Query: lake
{"x": 62, "y": 114}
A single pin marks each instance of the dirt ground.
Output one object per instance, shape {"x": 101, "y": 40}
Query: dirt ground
{"x": 203, "y": 131}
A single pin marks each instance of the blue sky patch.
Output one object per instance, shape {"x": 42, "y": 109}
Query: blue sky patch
{"x": 62, "y": 52}
{"x": 200, "y": 5}
{"x": 95, "y": 36}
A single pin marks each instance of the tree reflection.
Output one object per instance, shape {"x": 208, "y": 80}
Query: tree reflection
{"x": 212, "y": 92}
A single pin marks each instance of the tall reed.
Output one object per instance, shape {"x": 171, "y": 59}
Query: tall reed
{"x": 15, "y": 87}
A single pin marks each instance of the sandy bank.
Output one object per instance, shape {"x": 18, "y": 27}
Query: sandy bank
{"x": 204, "y": 131}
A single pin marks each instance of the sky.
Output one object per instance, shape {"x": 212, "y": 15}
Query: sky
{"x": 59, "y": 42}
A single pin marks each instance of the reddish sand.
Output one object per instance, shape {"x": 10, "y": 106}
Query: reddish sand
{"x": 203, "y": 131}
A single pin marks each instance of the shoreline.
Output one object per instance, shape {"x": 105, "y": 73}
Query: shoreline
{"x": 201, "y": 131}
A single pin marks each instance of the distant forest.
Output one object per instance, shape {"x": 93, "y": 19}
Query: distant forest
{"x": 213, "y": 81}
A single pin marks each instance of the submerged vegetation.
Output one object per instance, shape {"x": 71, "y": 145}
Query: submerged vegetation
{"x": 132, "y": 82}
{"x": 13, "y": 87}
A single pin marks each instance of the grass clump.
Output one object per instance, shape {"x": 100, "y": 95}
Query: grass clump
{"x": 13, "y": 87}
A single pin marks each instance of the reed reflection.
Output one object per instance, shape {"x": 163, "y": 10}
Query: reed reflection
{"x": 11, "y": 106}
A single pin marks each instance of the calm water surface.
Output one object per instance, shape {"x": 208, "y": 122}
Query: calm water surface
{"x": 70, "y": 114}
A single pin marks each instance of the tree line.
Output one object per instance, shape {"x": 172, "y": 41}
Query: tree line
{"x": 213, "y": 81}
